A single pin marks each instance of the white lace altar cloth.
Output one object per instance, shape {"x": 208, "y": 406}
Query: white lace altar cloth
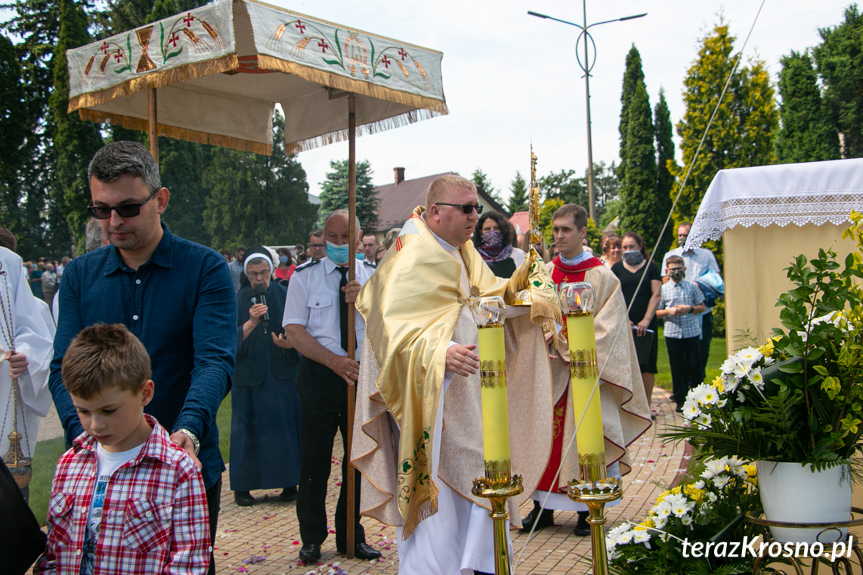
{"x": 782, "y": 194}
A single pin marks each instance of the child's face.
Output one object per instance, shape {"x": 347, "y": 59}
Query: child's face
{"x": 115, "y": 417}
{"x": 676, "y": 272}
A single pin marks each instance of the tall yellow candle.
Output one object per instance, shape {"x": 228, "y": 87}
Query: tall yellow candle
{"x": 583, "y": 370}
{"x": 495, "y": 418}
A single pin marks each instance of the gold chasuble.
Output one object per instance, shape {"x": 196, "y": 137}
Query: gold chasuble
{"x": 414, "y": 305}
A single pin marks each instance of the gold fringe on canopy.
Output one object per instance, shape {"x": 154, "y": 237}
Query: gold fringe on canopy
{"x": 183, "y": 73}
{"x": 366, "y": 129}
{"x": 349, "y": 85}
{"x": 196, "y": 136}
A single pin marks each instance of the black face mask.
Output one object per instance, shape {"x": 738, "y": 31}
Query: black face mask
{"x": 633, "y": 257}
{"x": 677, "y": 275}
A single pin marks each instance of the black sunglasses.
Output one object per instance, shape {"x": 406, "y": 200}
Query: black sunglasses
{"x": 466, "y": 208}
{"x": 124, "y": 210}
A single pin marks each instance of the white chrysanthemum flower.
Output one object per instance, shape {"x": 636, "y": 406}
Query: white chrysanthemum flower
{"x": 686, "y": 520}
{"x": 741, "y": 369}
{"x": 615, "y": 533}
{"x": 740, "y": 397}
{"x": 769, "y": 361}
{"x": 703, "y": 420}
{"x": 721, "y": 481}
{"x": 681, "y": 510}
{"x": 736, "y": 466}
{"x": 713, "y": 467}
{"x": 690, "y": 409}
{"x": 698, "y": 484}
{"x": 756, "y": 378}
{"x": 662, "y": 510}
{"x": 722, "y": 402}
{"x": 711, "y": 497}
{"x": 660, "y": 522}
{"x": 624, "y": 538}
{"x": 748, "y": 355}
{"x": 676, "y": 500}
{"x": 642, "y": 536}
{"x": 728, "y": 365}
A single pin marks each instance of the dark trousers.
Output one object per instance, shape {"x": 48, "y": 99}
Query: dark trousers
{"x": 684, "y": 358}
{"x": 324, "y": 400}
{"x": 214, "y": 498}
{"x": 706, "y": 336}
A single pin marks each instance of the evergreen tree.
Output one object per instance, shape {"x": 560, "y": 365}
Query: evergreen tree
{"x": 566, "y": 186}
{"x": 518, "y": 195}
{"x": 75, "y": 141}
{"x": 334, "y": 193}
{"x": 638, "y": 187}
{"x": 257, "y": 200}
{"x": 483, "y": 184}
{"x": 806, "y": 133}
{"x": 839, "y": 58}
{"x": 633, "y": 75}
{"x": 180, "y": 169}
{"x": 664, "y": 180}
{"x": 743, "y": 132}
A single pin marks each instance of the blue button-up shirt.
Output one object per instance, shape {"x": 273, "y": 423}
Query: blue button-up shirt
{"x": 181, "y": 305}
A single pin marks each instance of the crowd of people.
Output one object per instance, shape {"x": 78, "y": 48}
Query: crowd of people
{"x": 153, "y": 331}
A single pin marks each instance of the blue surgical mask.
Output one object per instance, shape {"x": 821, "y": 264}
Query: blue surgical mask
{"x": 283, "y": 259}
{"x": 360, "y": 256}
{"x": 337, "y": 254}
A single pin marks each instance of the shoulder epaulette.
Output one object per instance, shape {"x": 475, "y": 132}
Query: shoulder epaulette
{"x": 307, "y": 265}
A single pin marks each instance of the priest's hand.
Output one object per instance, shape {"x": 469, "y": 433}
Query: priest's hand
{"x": 462, "y": 360}
{"x": 17, "y": 363}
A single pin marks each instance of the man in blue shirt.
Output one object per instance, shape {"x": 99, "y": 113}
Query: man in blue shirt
{"x": 174, "y": 295}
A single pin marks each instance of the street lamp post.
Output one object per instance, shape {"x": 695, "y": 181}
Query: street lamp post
{"x": 586, "y": 67}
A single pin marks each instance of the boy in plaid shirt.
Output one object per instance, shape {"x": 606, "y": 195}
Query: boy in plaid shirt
{"x": 681, "y": 304}
{"x": 124, "y": 500}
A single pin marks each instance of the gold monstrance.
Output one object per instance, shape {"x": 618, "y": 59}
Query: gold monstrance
{"x": 524, "y": 297}
{"x": 18, "y": 464}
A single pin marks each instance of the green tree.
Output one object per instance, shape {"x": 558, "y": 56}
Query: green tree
{"x": 518, "y": 194}
{"x": 334, "y": 193}
{"x": 664, "y": 179}
{"x": 483, "y": 184}
{"x": 74, "y": 140}
{"x": 567, "y": 186}
{"x": 638, "y": 186}
{"x": 180, "y": 168}
{"x": 633, "y": 76}
{"x": 806, "y": 133}
{"x": 743, "y": 132}
{"x": 257, "y": 199}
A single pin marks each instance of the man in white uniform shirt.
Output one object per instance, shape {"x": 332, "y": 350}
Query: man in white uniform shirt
{"x": 315, "y": 323}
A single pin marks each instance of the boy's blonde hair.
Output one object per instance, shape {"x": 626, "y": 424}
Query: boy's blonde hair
{"x": 103, "y": 356}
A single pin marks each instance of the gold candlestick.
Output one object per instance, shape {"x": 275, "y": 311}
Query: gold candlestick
{"x": 592, "y": 487}
{"x": 498, "y": 484}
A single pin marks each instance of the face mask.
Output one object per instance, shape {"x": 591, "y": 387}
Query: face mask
{"x": 283, "y": 259}
{"x": 633, "y": 257}
{"x": 677, "y": 275}
{"x": 361, "y": 256}
{"x": 337, "y": 254}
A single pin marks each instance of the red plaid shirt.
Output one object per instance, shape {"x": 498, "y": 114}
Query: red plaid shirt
{"x": 154, "y": 519}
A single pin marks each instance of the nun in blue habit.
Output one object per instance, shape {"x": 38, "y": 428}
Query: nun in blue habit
{"x": 265, "y": 420}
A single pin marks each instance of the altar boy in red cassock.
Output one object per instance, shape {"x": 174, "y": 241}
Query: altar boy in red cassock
{"x": 625, "y": 411}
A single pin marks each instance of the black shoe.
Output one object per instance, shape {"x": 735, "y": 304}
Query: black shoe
{"x": 542, "y": 518}
{"x": 582, "y": 528}
{"x": 288, "y": 494}
{"x": 362, "y": 551}
{"x": 310, "y": 552}
{"x": 243, "y": 498}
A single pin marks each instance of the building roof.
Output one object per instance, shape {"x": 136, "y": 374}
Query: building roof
{"x": 521, "y": 222}
{"x": 397, "y": 201}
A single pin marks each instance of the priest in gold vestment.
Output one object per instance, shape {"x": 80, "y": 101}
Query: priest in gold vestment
{"x": 417, "y": 437}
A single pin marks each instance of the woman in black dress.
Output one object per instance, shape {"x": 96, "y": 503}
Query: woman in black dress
{"x": 642, "y": 314}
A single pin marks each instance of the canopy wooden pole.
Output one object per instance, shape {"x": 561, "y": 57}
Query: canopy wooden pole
{"x": 152, "y": 122}
{"x": 352, "y": 344}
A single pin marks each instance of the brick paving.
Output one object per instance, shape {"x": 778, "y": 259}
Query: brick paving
{"x": 264, "y": 539}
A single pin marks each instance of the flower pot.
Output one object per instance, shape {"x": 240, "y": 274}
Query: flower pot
{"x": 791, "y": 492}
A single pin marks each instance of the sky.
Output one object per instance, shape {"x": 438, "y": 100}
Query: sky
{"x": 512, "y": 79}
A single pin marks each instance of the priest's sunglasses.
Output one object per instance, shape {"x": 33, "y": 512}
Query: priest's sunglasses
{"x": 466, "y": 208}
{"x": 123, "y": 210}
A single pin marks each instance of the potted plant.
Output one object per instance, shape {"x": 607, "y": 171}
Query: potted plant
{"x": 673, "y": 538}
{"x": 797, "y": 401}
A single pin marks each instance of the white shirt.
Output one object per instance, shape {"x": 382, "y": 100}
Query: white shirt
{"x": 313, "y": 302}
